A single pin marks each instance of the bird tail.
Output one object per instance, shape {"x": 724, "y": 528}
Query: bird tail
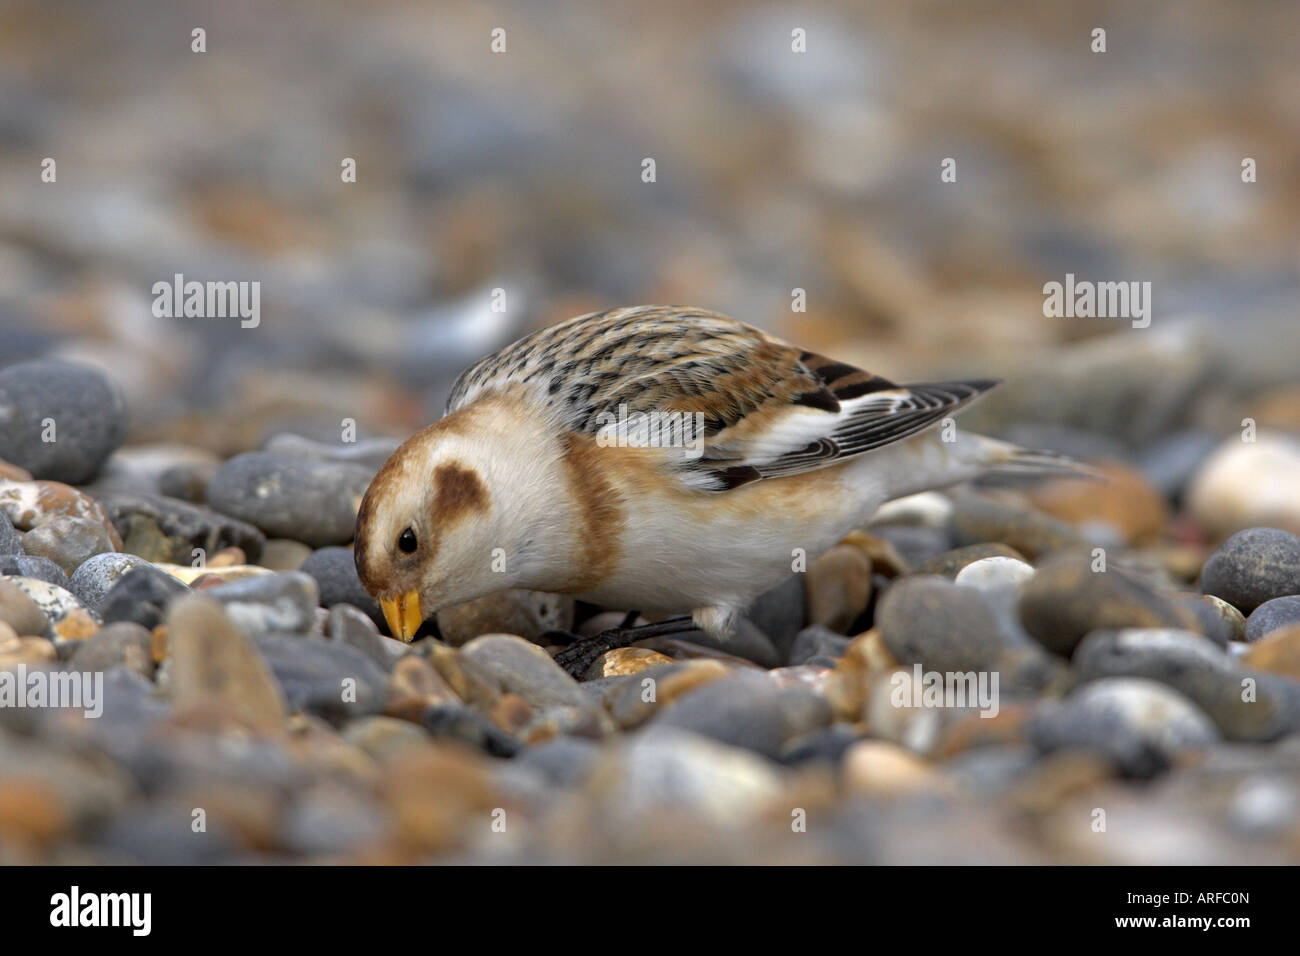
{"x": 1007, "y": 460}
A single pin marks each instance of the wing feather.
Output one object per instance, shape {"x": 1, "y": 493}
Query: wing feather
{"x": 768, "y": 408}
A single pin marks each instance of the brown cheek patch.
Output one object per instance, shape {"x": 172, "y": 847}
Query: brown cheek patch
{"x": 598, "y": 546}
{"x": 460, "y": 493}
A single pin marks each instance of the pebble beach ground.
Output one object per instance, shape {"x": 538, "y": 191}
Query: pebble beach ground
{"x": 1134, "y": 695}
{"x": 178, "y": 492}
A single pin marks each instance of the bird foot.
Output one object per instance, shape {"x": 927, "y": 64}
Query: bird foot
{"x": 581, "y": 654}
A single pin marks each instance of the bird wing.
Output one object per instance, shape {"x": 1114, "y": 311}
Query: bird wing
{"x": 765, "y": 408}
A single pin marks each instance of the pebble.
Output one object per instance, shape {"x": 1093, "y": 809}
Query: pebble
{"x": 216, "y": 670}
{"x": 284, "y": 601}
{"x": 322, "y": 677}
{"x": 19, "y": 611}
{"x": 353, "y": 626}
{"x": 309, "y": 500}
{"x": 95, "y": 577}
{"x": 141, "y": 595}
{"x": 1220, "y": 621}
{"x": 818, "y": 642}
{"x": 383, "y": 738}
{"x": 68, "y": 542}
{"x": 171, "y": 531}
{"x": 826, "y": 746}
{"x": 455, "y": 722}
{"x": 1142, "y": 725}
{"x": 995, "y": 575}
{"x": 1125, "y": 501}
{"x": 881, "y": 769}
{"x": 31, "y": 503}
{"x": 1170, "y": 462}
{"x": 281, "y": 554}
{"x": 1249, "y": 484}
{"x": 632, "y": 701}
{"x": 1277, "y": 652}
{"x": 413, "y": 685}
{"x": 622, "y": 661}
{"x": 1271, "y": 616}
{"x": 670, "y": 769}
{"x": 749, "y": 711}
{"x": 915, "y": 545}
{"x": 43, "y": 569}
{"x": 1066, "y": 600}
{"x": 523, "y": 668}
{"x": 329, "y": 819}
{"x": 88, "y": 413}
{"x": 979, "y": 519}
{"x": 336, "y": 577}
{"x": 781, "y": 612}
{"x": 527, "y": 614}
{"x": 435, "y": 795}
{"x": 951, "y": 563}
{"x": 1253, "y": 566}
{"x": 118, "y": 645}
{"x": 746, "y": 643}
{"x": 850, "y": 683}
{"x": 931, "y": 621}
{"x": 10, "y": 541}
{"x": 65, "y": 613}
{"x": 370, "y": 453}
{"x": 187, "y": 481}
{"x": 565, "y": 761}
{"x": 1245, "y": 705}
{"x": 838, "y": 587}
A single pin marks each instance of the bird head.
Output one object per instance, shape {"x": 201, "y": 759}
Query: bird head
{"x": 447, "y": 515}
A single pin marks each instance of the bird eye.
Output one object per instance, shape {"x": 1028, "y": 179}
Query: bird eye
{"x": 406, "y": 541}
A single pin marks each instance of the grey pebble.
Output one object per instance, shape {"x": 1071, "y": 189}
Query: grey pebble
{"x": 141, "y": 595}
{"x": 335, "y": 572}
{"x": 527, "y": 670}
{"x": 309, "y": 500}
{"x": 1245, "y": 705}
{"x": 43, "y": 569}
{"x": 780, "y": 613}
{"x": 326, "y": 678}
{"x": 817, "y": 641}
{"x": 1253, "y": 566}
{"x": 169, "y": 530}
{"x": 353, "y": 626}
{"x": 1142, "y": 725}
{"x": 1273, "y": 615}
{"x": 88, "y": 413}
{"x": 122, "y": 644}
{"x": 282, "y": 601}
{"x": 11, "y": 541}
{"x": 928, "y": 620}
{"x": 748, "y": 710}
{"x": 95, "y": 577}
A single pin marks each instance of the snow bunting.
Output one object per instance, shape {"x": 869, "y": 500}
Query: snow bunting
{"x": 655, "y": 458}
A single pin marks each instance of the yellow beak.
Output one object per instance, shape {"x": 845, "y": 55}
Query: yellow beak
{"x": 403, "y": 615}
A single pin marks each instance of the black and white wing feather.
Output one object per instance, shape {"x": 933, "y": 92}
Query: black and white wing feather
{"x": 767, "y": 409}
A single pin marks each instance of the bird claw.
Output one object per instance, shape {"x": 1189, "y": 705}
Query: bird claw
{"x": 580, "y": 655}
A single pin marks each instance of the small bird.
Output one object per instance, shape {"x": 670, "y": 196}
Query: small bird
{"x": 658, "y": 458}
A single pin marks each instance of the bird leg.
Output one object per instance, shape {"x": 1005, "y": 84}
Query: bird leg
{"x": 581, "y": 654}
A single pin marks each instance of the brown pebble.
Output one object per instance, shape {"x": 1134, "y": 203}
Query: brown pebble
{"x": 838, "y": 587}
{"x": 625, "y": 660}
{"x": 1277, "y": 652}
